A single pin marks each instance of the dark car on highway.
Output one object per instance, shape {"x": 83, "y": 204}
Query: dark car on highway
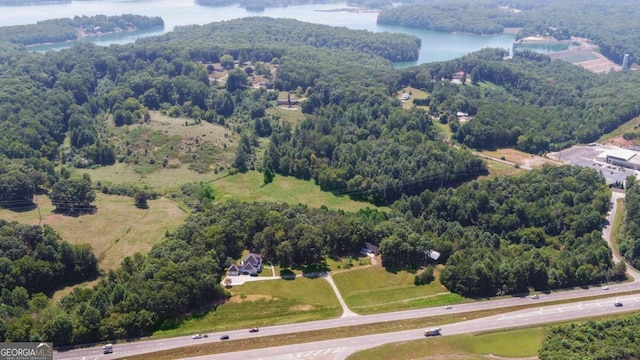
{"x": 224, "y": 337}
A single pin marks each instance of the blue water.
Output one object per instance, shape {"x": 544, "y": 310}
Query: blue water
{"x": 436, "y": 46}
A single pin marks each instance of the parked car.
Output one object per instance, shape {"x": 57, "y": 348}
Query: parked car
{"x": 224, "y": 337}
{"x": 617, "y": 304}
{"x": 197, "y": 336}
{"x": 255, "y": 329}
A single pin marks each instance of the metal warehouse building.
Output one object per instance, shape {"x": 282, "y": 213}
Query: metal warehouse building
{"x": 622, "y": 157}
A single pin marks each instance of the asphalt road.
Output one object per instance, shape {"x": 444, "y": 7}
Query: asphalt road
{"x": 340, "y": 348}
{"x": 539, "y": 314}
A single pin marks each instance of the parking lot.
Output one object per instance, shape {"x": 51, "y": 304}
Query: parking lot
{"x": 586, "y": 156}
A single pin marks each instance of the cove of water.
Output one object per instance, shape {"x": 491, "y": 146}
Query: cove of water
{"x": 436, "y": 46}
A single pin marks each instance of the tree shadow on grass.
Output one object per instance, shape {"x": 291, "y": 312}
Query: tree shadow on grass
{"x": 19, "y": 207}
{"x": 77, "y": 211}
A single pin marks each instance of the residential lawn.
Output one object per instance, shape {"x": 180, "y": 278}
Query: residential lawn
{"x": 415, "y": 93}
{"x": 374, "y": 290}
{"x": 520, "y": 343}
{"x": 116, "y": 230}
{"x": 269, "y": 302}
{"x": 249, "y": 187}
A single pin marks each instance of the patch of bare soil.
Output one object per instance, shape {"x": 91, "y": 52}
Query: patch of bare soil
{"x": 305, "y": 307}
{"x": 619, "y": 141}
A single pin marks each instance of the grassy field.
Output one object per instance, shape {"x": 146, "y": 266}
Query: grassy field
{"x": 270, "y": 302}
{"x": 249, "y": 187}
{"x": 374, "y": 290}
{"x": 514, "y": 344}
{"x": 415, "y": 94}
{"x": 116, "y": 230}
{"x": 444, "y": 129}
{"x": 523, "y": 159}
{"x": 161, "y": 180}
{"x": 293, "y": 115}
{"x": 630, "y": 126}
{"x": 500, "y": 169}
{"x": 618, "y": 222}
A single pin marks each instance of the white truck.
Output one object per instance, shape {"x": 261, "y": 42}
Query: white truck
{"x": 432, "y": 332}
{"x": 107, "y": 349}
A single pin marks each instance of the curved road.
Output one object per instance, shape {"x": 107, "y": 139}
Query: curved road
{"x": 340, "y": 348}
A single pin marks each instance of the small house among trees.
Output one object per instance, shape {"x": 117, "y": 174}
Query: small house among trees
{"x": 250, "y": 265}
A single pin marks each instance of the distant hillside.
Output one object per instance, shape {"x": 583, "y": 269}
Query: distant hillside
{"x": 59, "y": 30}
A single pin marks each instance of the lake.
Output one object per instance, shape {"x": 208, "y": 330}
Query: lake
{"x": 436, "y": 46}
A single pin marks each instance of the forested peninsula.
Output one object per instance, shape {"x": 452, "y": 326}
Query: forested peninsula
{"x": 260, "y": 5}
{"x": 611, "y": 25}
{"x": 91, "y": 106}
{"x": 60, "y": 30}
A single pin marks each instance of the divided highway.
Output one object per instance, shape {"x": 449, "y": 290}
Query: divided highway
{"x": 340, "y": 348}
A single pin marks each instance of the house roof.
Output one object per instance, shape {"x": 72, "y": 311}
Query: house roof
{"x": 371, "y": 248}
{"x": 248, "y": 267}
{"x": 252, "y": 258}
{"x": 233, "y": 267}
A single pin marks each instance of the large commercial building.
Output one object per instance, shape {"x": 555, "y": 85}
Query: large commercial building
{"x": 622, "y": 157}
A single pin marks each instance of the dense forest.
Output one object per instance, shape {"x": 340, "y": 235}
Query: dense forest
{"x": 374, "y": 151}
{"x": 36, "y": 259}
{"x": 59, "y": 30}
{"x": 611, "y": 25}
{"x": 29, "y": 2}
{"x": 261, "y": 5}
{"x": 538, "y": 230}
{"x": 593, "y": 340}
{"x": 528, "y": 102}
{"x": 262, "y": 38}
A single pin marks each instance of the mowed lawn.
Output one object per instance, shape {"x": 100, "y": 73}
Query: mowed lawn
{"x": 116, "y": 230}
{"x": 514, "y": 344}
{"x": 374, "y": 290}
{"x": 268, "y": 302}
{"x": 250, "y": 187}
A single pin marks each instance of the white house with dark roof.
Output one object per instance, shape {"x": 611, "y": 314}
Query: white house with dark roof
{"x": 250, "y": 265}
{"x": 233, "y": 270}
